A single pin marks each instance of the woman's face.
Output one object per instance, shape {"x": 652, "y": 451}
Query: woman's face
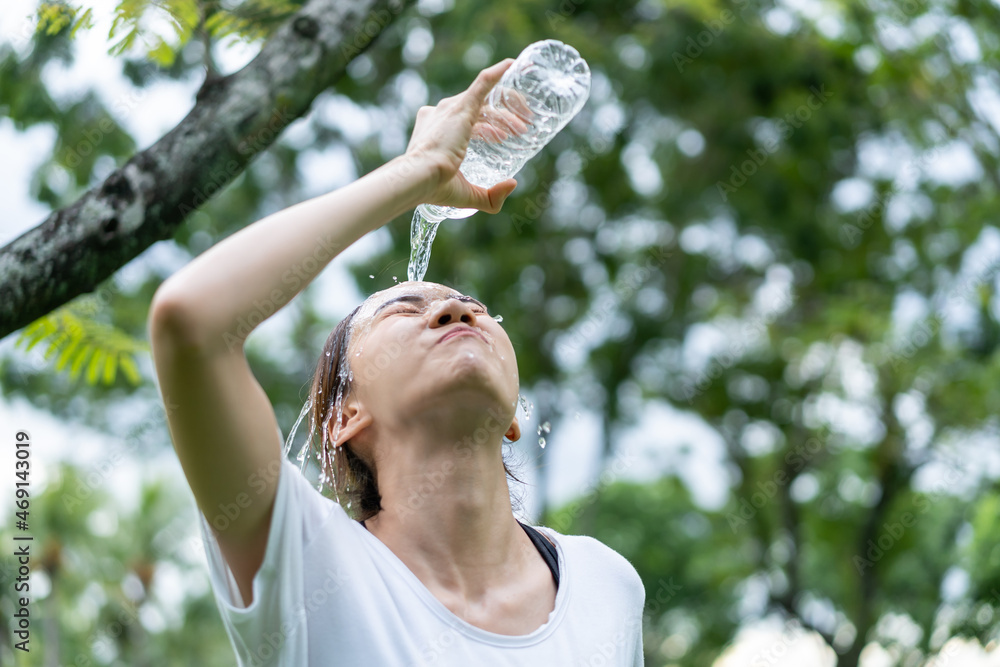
{"x": 420, "y": 347}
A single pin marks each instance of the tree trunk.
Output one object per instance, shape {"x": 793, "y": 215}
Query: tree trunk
{"x": 234, "y": 118}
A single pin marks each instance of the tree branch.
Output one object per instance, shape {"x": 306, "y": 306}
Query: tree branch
{"x": 235, "y": 117}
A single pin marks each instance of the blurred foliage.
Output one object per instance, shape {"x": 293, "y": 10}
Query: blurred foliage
{"x": 741, "y": 224}
{"x": 111, "y": 585}
{"x": 82, "y": 342}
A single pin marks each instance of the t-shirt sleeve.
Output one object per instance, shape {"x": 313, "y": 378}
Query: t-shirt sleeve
{"x": 639, "y": 658}
{"x": 639, "y": 602}
{"x": 272, "y": 629}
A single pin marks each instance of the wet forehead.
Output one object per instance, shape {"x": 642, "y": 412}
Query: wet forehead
{"x": 428, "y": 290}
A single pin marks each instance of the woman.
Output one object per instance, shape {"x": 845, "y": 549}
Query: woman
{"x": 437, "y": 571}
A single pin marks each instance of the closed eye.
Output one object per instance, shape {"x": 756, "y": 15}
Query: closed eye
{"x": 403, "y": 310}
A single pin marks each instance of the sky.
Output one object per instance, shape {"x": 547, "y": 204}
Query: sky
{"x": 666, "y": 439}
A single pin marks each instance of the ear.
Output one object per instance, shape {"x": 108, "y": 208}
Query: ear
{"x": 514, "y": 432}
{"x": 354, "y": 419}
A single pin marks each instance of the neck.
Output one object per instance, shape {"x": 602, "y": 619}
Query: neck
{"x": 446, "y": 508}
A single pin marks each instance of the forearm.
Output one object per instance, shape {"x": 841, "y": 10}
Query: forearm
{"x": 232, "y": 287}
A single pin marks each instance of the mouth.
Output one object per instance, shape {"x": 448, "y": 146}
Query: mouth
{"x": 462, "y": 331}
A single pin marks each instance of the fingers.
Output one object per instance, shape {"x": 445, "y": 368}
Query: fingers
{"x": 476, "y": 94}
{"x": 507, "y": 121}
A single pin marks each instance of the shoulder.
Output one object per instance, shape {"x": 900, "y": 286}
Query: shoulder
{"x": 315, "y": 508}
{"x": 597, "y": 559}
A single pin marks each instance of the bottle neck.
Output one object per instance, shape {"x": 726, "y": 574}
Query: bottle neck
{"x": 430, "y": 212}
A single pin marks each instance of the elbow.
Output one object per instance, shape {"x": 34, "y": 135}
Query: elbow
{"x": 174, "y": 321}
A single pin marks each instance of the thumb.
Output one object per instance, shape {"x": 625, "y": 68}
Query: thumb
{"x": 498, "y": 194}
{"x": 489, "y": 200}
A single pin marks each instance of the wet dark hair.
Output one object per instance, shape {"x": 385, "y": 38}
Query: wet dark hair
{"x": 354, "y": 479}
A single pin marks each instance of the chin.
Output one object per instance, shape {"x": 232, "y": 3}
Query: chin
{"x": 471, "y": 382}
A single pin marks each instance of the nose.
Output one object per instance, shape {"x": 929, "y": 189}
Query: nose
{"x": 452, "y": 310}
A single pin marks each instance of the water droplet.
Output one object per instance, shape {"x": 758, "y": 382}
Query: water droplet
{"x": 527, "y": 405}
{"x": 394, "y": 279}
{"x": 547, "y": 427}
{"x": 328, "y": 354}
{"x": 498, "y": 318}
{"x": 541, "y": 443}
{"x": 371, "y": 276}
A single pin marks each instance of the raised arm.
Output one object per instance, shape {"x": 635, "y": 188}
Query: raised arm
{"x": 221, "y": 422}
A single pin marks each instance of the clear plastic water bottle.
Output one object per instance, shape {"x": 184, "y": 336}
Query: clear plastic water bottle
{"x": 541, "y": 91}
{"x": 544, "y": 87}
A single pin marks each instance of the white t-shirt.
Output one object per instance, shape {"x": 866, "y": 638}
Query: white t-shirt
{"x": 330, "y": 593}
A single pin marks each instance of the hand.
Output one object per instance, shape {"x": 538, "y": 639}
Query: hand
{"x": 441, "y": 136}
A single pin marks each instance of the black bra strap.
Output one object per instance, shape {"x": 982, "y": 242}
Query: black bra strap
{"x": 546, "y": 549}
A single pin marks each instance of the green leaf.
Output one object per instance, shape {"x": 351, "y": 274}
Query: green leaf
{"x": 95, "y": 366}
{"x": 78, "y": 362}
{"x": 110, "y": 366}
{"x": 85, "y": 21}
{"x": 67, "y": 351}
{"x": 163, "y": 54}
{"x": 125, "y": 44}
{"x": 129, "y": 369}
{"x": 74, "y": 336}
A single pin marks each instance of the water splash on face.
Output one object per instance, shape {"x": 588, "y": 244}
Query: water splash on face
{"x": 291, "y": 436}
{"x": 332, "y": 411}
